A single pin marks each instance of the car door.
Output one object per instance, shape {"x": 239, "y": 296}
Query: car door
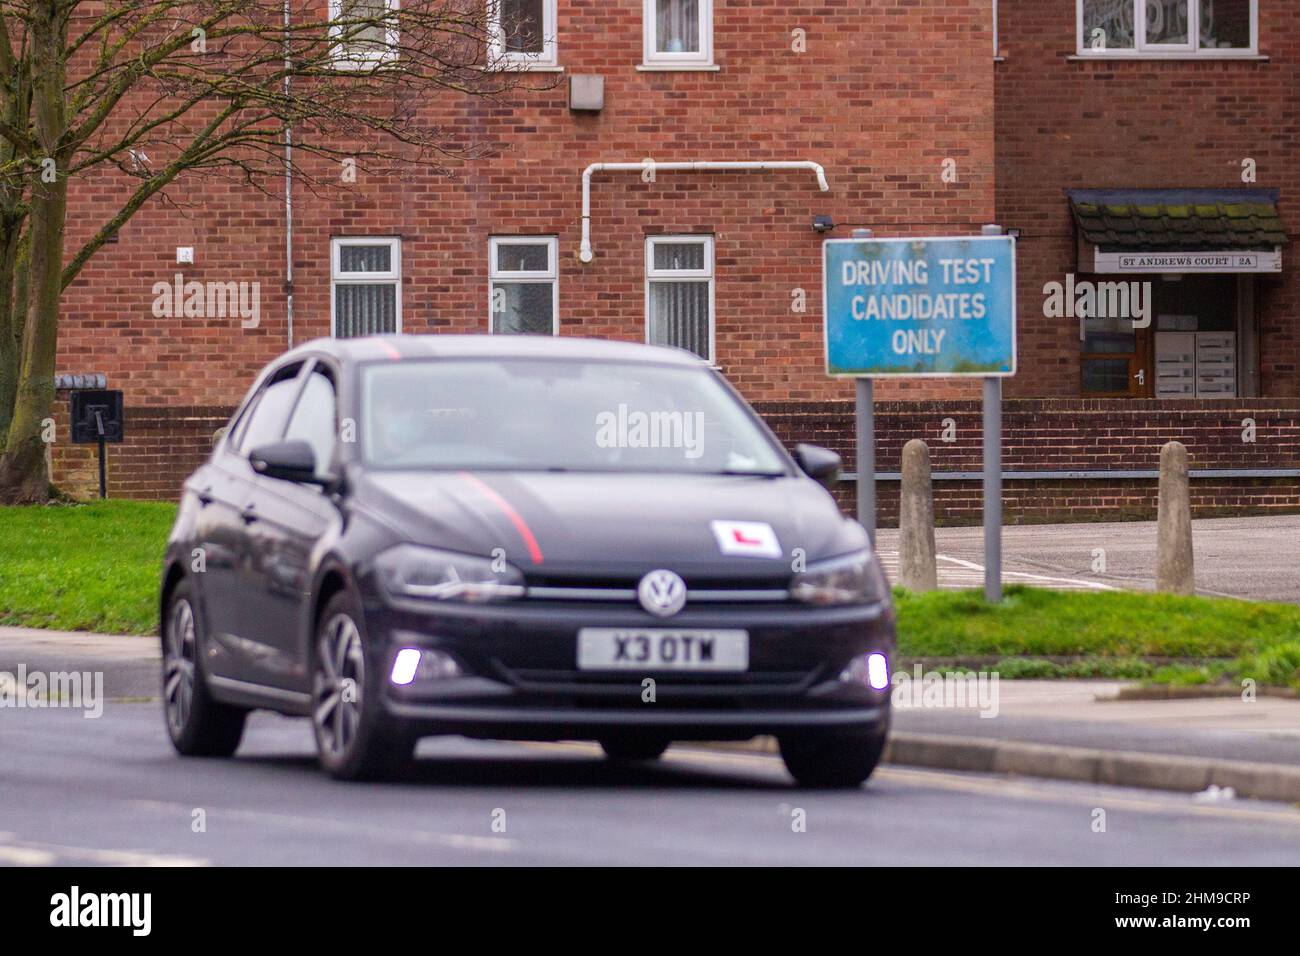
{"x": 215, "y": 561}
{"x": 239, "y": 639}
{"x": 288, "y": 520}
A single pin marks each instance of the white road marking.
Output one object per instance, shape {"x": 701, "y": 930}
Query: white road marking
{"x": 315, "y": 825}
{"x": 25, "y": 856}
{"x": 27, "y": 853}
{"x": 959, "y": 574}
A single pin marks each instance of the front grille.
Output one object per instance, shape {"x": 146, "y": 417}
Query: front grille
{"x": 698, "y": 591}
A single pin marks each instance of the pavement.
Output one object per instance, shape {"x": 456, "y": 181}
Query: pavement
{"x": 1254, "y": 558}
{"x": 130, "y": 664}
{"x": 1086, "y": 713}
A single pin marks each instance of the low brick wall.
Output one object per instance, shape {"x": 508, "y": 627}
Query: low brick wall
{"x": 165, "y": 444}
{"x": 1069, "y": 435}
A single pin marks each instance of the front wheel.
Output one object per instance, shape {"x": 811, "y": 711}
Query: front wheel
{"x": 837, "y": 759}
{"x": 355, "y": 739}
{"x": 198, "y": 725}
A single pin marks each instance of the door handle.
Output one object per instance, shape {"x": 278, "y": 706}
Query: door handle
{"x": 249, "y": 514}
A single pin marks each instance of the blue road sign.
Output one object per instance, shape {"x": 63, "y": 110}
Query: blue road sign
{"x": 920, "y": 307}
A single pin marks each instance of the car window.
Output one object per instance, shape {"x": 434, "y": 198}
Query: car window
{"x": 267, "y": 419}
{"x": 313, "y": 419}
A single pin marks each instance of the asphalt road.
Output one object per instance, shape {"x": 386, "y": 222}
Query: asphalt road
{"x": 110, "y": 791}
{"x": 1255, "y": 558}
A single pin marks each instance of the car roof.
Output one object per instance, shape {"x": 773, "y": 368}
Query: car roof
{"x": 399, "y": 347}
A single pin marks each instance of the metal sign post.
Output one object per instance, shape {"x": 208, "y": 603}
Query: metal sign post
{"x": 993, "y": 490}
{"x": 924, "y": 307}
{"x": 993, "y": 473}
{"x": 97, "y": 418}
{"x": 866, "y": 438}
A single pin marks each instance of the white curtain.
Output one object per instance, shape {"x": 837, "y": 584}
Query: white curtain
{"x": 679, "y": 315}
{"x": 677, "y": 26}
{"x": 365, "y": 309}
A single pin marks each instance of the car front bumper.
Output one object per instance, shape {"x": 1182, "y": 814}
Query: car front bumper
{"x": 519, "y": 677}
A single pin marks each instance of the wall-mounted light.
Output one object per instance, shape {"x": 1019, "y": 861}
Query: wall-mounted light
{"x": 823, "y": 223}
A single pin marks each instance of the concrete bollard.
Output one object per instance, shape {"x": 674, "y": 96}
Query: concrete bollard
{"x": 916, "y": 570}
{"x": 1174, "y": 569}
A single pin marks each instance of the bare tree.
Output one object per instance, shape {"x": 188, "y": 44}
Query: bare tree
{"x": 149, "y": 91}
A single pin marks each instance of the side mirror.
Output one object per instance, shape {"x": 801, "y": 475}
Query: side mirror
{"x": 820, "y": 464}
{"x": 286, "y": 460}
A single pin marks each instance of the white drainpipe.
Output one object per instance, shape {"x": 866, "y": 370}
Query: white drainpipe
{"x": 585, "y": 253}
{"x": 288, "y": 193}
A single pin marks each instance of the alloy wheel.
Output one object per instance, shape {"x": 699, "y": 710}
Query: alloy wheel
{"x": 179, "y": 654}
{"x": 340, "y": 676}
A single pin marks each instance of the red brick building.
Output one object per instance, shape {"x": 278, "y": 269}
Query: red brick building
{"x": 917, "y": 128}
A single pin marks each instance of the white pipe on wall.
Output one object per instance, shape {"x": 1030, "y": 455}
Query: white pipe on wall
{"x": 585, "y": 253}
{"x": 288, "y": 192}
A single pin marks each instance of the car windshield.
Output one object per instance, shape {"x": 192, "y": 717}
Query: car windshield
{"x": 565, "y": 415}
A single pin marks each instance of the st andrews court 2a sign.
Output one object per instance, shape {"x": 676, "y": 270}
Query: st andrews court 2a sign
{"x": 920, "y": 307}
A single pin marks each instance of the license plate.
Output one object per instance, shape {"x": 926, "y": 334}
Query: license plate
{"x": 646, "y": 649}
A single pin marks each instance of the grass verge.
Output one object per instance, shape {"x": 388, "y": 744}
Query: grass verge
{"x": 83, "y": 567}
{"x": 1120, "y": 632}
{"x": 95, "y": 567}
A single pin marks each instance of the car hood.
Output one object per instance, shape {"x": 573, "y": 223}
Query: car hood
{"x": 571, "y": 526}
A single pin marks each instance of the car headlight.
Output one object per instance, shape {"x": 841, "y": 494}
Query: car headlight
{"x": 850, "y": 579}
{"x": 409, "y": 570}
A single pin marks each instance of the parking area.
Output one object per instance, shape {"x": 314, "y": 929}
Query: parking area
{"x": 1256, "y": 558}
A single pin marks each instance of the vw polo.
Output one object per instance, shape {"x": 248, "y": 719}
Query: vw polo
{"x": 520, "y": 538}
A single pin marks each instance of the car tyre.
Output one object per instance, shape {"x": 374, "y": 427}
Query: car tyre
{"x": 832, "y": 759}
{"x": 355, "y": 738}
{"x": 634, "y": 748}
{"x": 197, "y": 724}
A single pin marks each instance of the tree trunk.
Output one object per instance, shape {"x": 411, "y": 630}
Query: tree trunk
{"x": 13, "y": 310}
{"x": 24, "y": 477}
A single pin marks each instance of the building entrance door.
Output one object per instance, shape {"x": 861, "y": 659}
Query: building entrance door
{"x": 1192, "y": 348}
{"x": 1116, "y": 359}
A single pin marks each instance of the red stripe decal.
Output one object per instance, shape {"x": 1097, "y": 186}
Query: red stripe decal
{"x": 515, "y": 518}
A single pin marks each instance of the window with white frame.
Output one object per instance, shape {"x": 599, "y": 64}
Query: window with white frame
{"x": 679, "y": 293}
{"x": 523, "y": 285}
{"x": 366, "y": 286}
{"x": 678, "y": 33}
{"x": 364, "y": 31}
{"x": 1177, "y": 28}
{"x": 523, "y": 33}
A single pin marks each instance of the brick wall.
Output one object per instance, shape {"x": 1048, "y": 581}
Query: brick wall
{"x": 1138, "y": 124}
{"x": 884, "y": 94}
{"x": 1068, "y": 435}
{"x": 164, "y": 446}
{"x": 880, "y": 115}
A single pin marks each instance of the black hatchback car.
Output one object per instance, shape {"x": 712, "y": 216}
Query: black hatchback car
{"x": 520, "y": 538}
